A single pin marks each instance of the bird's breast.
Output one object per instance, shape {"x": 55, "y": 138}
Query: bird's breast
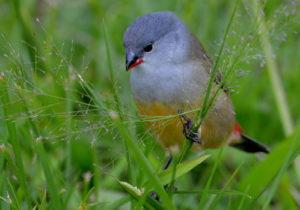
{"x": 160, "y": 92}
{"x": 167, "y": 84}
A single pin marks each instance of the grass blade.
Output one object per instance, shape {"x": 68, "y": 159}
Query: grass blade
{"x": 13, "y": 138}
{"x": 14, "y": 203}
{"x": 145, "y": 165}
{"x": 199, "y": 117}
{"x": 214, "y": 192}
{"x": 217, "y": 199}
{"x": 207, "y": 186}
{"x": 111, "y": 73}
{"x": 137, "y": 194}
{"x": 29, "y": 38}
{"x": 264, "y": 172}
{"x": 181, "y": 169}
{"x": 117, "y": 204}
{"x": 281, "y": 171}
{"x": 39, "y": 147}
{"x": 272, "y": 68}
{"x": 48, "y": 174}
{"x": 118, "y": 104}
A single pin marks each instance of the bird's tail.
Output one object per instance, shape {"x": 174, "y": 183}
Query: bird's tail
{"x": 248, "y": 144}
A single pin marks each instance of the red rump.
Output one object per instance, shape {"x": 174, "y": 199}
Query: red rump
{"x": 237, "y": 129}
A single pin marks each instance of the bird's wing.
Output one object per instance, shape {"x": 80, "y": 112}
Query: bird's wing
{"x": 198, "y": 52}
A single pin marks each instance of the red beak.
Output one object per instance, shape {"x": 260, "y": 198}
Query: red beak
{"x": 137, "y": 62}
{"x": 132, "y": 60}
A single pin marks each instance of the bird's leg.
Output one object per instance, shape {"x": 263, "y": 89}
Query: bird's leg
{"x": 188, "y": 128}
{"x": 166, "y": 165}
{"x": 189, "y": 134}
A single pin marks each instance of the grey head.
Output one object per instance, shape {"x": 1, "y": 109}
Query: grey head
{"x": 159, "y": 37}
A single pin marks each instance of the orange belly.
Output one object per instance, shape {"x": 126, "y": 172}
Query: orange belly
{"x": 168, "y": 132}
{"x": 216, "y": 127}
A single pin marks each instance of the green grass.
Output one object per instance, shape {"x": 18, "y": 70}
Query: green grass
{"x": 70, "y": 136}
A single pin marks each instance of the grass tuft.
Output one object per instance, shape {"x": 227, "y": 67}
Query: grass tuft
{"x": 68, "y": 123}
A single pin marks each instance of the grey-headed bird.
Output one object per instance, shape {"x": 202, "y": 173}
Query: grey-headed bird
{"x": 170, "y": 71}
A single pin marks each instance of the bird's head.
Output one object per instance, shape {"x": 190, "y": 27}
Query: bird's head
{"x": 155, "y": 39}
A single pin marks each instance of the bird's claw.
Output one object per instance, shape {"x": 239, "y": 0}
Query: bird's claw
{"x": 188, "y": 128}
{"x": 155, "y": 196}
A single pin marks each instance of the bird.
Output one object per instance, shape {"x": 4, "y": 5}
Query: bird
{"x": 169, "y": 72}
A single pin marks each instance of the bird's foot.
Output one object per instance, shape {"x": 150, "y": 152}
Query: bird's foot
{"x": 166, "y": 165}
{"x": 155, "y": 196}
{"x": 188, "y": 128}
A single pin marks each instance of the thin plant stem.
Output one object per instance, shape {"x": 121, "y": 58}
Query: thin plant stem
{"x": 279, "y": 95}
{"x": 273, "y": 73}
{"x": 199, "y": 117}
{"x": 14, "y": 140}
{"x": 118, "y": 104}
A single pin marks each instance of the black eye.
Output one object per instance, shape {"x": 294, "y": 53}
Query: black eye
{"x": 148, "y": 48}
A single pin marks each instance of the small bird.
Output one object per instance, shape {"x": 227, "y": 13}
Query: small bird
{"x": 170, "y": 71}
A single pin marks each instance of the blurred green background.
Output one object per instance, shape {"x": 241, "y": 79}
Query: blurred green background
{"x": 47, "y": 46}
